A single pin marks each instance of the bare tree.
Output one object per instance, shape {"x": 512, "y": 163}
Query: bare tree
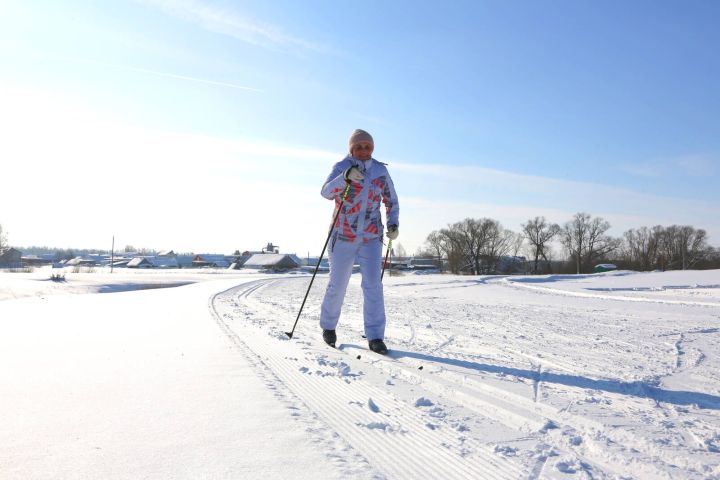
{"x": 598, "y": 244}
{"x": 659, "y": 244}
{"x": 688, "y": 245}
{"x": 642, "y": 247}
{"x": 574, "y": 234}
{"x": 585, "y": 239}
{"x": 453, "y": 246}
{"x": 539, "y": 233}
{"x": 474, "y": 236}
{"x": 3, "y": 240}
{"x": 435, "y": 243}
{"x": 497, "y": 243}
{"x": 462, "y": 245}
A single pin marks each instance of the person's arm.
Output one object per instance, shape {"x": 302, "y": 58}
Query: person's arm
{"x": 392, "y": 206}
{"x": 335, "y": 183}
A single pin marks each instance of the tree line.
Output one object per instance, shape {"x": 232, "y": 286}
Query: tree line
{"x": 484, "y": 246}
{"x": 69, "y": 253}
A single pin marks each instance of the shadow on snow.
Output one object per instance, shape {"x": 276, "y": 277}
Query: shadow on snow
{"x": 636, "y": 389}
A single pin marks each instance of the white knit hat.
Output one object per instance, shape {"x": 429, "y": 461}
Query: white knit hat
{"x": 359, "y": 136}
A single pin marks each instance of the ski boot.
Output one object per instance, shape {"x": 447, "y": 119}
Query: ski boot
{"x": 330, "y": 337}
{"x": 378, "y": 346}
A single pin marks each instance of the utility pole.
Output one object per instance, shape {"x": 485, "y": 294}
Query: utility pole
{"x": 112, "y": 255}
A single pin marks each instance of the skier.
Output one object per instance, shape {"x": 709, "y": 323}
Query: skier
{"x": 357, "y": 234}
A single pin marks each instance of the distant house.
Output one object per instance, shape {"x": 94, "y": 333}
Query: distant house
{"x": 239, "y": 261}
{"x": 424, "y": 264}
{"x": 184, "y": 261}
{"x": 276, "y": 261}
{"x": 140, "y": 262}
{"x": 121, "y": 262}
{"x": 10, "y": 258}
{"x": 313, "y": 261}
{"x": 36, "y": 260}
{"x": 210, "y": 260}
{"x": 166, "y": 259}
{"x": 86, "y": 261}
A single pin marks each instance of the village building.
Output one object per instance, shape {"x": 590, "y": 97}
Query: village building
{"x": 10, "y": 258}
{"x": 165, "y": 259}
{"x": 141, "y": 262}
{"x": 210, "y": 260}
{"x": 88, "y": 261}
{"x": 238, "y": 261}
{"x": 273, "y": 261}
{"x": 38, "y": 260}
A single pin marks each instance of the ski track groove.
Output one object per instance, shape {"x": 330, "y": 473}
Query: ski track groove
{"x": 532, "y": 418}
{"x": 622, "y": 298}
{"x": 330, "y": 399}
{"x": 505, "y": 411}
{"x": 535, "y": 415}
{"x": 515, "y": 411}
{"x": 421, "y": 424}
{"x": 502, "y": 405}
{"x": 291, "y": 401}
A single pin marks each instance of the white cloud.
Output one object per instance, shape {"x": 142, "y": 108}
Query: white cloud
{"x": 692, "y": 165}
{"x": 697, "y": 165}
{"x": 647, "y": 169}
{"x": 171, "y": 75}
{"x": 228, "y": 21}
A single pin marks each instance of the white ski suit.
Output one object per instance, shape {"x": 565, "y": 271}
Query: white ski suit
{"x": 357, "y": 234}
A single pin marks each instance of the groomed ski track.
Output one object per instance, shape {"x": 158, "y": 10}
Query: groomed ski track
{"x": 392, "y": 436}
{"x": 458, "y": 417}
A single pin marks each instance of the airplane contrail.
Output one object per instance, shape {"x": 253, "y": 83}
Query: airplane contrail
{"x": 160, "y": 74}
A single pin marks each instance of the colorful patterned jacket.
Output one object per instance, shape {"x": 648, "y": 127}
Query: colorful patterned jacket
{"x": 360, "y": 214}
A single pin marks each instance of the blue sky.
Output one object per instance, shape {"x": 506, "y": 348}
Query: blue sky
{"x": 210, "y": 125}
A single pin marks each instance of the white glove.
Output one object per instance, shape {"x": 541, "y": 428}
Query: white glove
{"x": 392, "y": 232}
{"x": 354, "y": 174}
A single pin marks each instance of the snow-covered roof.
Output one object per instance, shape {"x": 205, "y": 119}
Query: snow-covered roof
{"x": 273, "y": 260}
{"x": 140, "y": 262}
{"x": 88, "y": 260}
{"x": 164, "y": 261}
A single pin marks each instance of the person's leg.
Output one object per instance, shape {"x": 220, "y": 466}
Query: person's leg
{"x": 370, "y": 257}
{"x": 342, "y": 257}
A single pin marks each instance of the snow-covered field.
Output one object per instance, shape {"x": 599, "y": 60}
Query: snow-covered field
{"x": 597, "y": 376}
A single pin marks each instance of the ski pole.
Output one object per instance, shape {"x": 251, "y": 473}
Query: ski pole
{"x": 317, "y": 267}
{"x": 386, "y": 257}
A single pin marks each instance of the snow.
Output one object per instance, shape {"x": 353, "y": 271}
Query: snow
{"x": 611, "y": 375}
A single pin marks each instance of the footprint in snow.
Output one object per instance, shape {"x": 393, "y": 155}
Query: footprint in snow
{"x": 572, "y": 466}
{"x": 437, "y": 412}
{"x": 378, "y": 426}
{"x": 549, "y": 425}
{"x": 373, "y": 406}
{"x": 506, "y": 450}
{"x": 423, "y": 402}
